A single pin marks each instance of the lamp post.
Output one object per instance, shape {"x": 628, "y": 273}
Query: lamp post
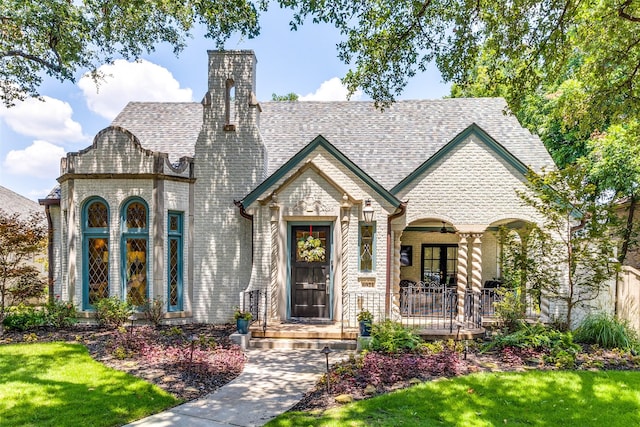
{"x": 326, "y": 350}
{"x": 367, "y": 211}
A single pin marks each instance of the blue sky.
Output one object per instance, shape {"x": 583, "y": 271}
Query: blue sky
{"x": 34, "y": 135}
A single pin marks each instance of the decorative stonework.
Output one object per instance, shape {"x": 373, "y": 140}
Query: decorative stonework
{"x": 311, "y": 204}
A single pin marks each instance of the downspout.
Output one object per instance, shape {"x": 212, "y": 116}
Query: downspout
{"x": 244, "y": 214}
{"x": 398, "y": 213}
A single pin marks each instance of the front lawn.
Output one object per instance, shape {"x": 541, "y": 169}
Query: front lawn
{"x": 533, "y": 398}
{"x": 57, "y": 384}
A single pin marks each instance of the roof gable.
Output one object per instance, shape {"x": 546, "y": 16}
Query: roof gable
{"x": 472, "y": 130}
{"x": 295, "y": 161}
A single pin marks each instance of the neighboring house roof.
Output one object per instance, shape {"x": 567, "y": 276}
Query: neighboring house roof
{"x": 13, "y": 202}
{"x": 387, "y": 145}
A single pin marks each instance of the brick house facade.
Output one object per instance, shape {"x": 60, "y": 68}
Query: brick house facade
{"x": 196, "y": 203}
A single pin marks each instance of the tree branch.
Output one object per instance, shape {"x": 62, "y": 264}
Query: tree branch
{"x": 624, "y": 15}
{"x": 54, "y": 67}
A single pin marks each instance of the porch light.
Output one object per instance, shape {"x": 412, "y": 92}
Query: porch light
{"x": 367, "y": 212}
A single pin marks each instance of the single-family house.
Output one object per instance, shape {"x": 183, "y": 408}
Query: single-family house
{"x": 314, "y": 210}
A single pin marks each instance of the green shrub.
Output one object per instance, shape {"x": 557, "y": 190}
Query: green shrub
{"x": 59, "y": 314}
{"x": 535, "y": 336}
{"x": 510, "y": 309}
{"x": 22, "y": 318}
{"x": 392, "y": 337}
{"x": 154, "y": 310}
{"x": 113, "y": 312}
{"x": 607, "y": 332}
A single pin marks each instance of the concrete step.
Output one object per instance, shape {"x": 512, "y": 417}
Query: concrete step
{"x": 291, "y": 343}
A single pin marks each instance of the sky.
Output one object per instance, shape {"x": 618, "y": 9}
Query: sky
{"x": 35, "y": 135}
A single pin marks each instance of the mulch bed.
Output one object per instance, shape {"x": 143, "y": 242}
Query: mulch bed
{"x": 166, "y": 362}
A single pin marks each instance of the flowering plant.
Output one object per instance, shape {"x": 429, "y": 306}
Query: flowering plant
{"x": 365, "y": 316}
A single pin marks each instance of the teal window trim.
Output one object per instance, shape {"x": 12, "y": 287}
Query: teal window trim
{"x": 371, "y": 250}
{"x": 175, "y": 235}
{"x": 138, "y": 233}
{"x": 89, "y": 233}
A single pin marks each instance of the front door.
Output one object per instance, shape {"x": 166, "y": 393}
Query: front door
{"x": 310, "y": 271}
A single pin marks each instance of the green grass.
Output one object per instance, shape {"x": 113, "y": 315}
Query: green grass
{"x": 535, "y": 398}
{"x": 57, "y": 384}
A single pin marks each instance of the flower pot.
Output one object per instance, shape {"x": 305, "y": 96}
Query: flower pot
{"x": 365, "y": 328}
{"x": 242, "y": 325}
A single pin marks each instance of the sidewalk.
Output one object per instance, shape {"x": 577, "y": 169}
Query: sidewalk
{"x": 272, "y": 382}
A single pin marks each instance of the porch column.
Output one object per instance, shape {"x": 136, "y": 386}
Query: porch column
{"x": 272, "y": 310}
{"x": 395, "y": 275}
{"x": 476, "y": 274}
{"x": 345, "y": 219}
{"x": 463, "y": 271}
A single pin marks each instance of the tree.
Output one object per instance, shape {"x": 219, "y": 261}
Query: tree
{"x": 291, "y": 96}
{"x": 20, "y": 239}
{"x": 60, "y": 38}
{"x": 574, "y": 241}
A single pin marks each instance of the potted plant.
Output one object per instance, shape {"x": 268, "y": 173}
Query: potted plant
{"x": 242, "y": 320}
{"x": 365, "y": 318}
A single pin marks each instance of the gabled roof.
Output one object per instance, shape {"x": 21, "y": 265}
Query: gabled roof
{"x": 12, "y": 202}
{"x": 290, "y": 165}
{"x": 387, "y": 145}
{"x": 472, "y": 130}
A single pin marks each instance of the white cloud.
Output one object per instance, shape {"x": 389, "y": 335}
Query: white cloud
{"x": 131, "y": 81}
{"x": 331, "y": 90}
{"x": 41, "y": 159}
{"x": 49, "y": 119}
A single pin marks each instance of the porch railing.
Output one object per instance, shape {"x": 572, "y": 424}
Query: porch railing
{"x": 421, "y": 305}
{"x": 489, "y": 296}
{"x": 257, "y": 306}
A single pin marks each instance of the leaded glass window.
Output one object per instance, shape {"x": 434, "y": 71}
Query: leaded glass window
{"x": 175, "y": 262}
{"x": 366, "y": 247}
{"x": 135, "y": 238}
{"x": 95, "y": 252}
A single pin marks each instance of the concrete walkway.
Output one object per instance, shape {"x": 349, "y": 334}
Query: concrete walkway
{"x": 271, "y": 383}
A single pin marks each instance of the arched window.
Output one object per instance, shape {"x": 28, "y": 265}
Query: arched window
{"x": 135, "y": 239}
{"x": 95, "y": 252}
{"x": 229, "y": 105}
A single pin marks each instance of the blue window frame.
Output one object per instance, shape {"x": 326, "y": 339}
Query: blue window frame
{"x": 366, "y": 247}
{"x": 174, "y": 262}
{"x": 135, "y": 251}
{"x": 95, "y": 252}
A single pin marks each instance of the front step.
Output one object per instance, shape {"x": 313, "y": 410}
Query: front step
{"x": 301, "y": 343}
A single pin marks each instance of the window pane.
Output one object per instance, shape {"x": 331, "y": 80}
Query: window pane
{"x": 97, "y": 215}
{"x": 98, "y": 269}
{"x": 136, "y": 215}
{"x": 136, "y": 271}
{"x": 174, "y": 279}
{"x": 366, "y": 248}
{"x": 173, "y": 223}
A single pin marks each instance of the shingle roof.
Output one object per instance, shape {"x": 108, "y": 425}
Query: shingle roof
{"x": 13, "y": 202}
{"x": 388, "y": 145}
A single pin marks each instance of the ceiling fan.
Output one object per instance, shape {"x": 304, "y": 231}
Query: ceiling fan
{"x": 444, "y": 228}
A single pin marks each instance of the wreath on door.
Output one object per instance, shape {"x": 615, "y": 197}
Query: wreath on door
{"x": 310, "y": 249}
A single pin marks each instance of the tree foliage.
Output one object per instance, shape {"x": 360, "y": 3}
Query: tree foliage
{"x": 60, "y": 38}
{"x": 20, "y": 240}
{"x": 291, "y": 96}
{"x": 574, "y": 241}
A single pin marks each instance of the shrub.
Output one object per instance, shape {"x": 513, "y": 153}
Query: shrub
{"x": 59, "y": 314}
{"x": 392, "y": 337}
{"x": 22, "y": 318}
{"x": 607, "y": 332}
{"x": 154, "y": 310}
{"x": 113, "y": 312}
{"x": 510, "y": 310}
{"x": 28, "y": 286}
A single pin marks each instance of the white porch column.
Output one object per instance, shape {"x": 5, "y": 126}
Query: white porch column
{"x": 476, "y": 263}
{"x": 463, "y": 272}
{"x": 345, "y": 218}
{"x": 273, "y": 290}
{"x": 395, "y": 275}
